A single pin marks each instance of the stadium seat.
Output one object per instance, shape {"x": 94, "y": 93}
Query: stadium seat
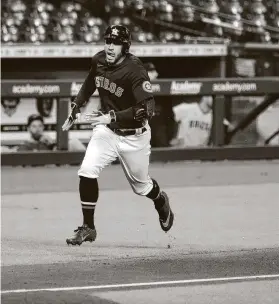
{"x": 209, "y": 17}
{"x": 232, "y": 18}
{"x": 273, "y": 19}
{"x": 184, "y": 12}
{"x": 170, "y": 36}
{"x": 254, "y": 13}
{"x": 69, "y": 22}
{"x": 89, "y": 29}
{"x": 12, "y": 18}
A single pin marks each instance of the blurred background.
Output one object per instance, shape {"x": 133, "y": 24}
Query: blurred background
{"x": 180, "y": 121}
{"x": 172, "y": 20}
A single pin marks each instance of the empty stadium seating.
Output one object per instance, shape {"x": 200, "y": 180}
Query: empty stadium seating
{"x": 27, "y": 21}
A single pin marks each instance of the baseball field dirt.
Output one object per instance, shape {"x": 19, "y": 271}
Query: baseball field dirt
{"x": 223, "y": 247}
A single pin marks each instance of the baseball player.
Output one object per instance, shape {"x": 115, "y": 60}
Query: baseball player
{"x": 194, "y": 123}
{"x": 267, "y": 123}
{"x": 120, "y": 129}
{"x": 195, "y": 120}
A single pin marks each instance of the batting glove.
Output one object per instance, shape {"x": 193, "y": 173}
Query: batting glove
{"x": 74, "y": 115}
{"x": 99, "y": 118}
{"x": 140, "y": 115}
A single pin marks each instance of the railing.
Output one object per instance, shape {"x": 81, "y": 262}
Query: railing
{"x": 217, "y": 87}
{"x": 222, "y": 89}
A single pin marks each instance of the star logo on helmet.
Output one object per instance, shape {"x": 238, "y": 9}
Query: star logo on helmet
{"x": 114, "y": 32}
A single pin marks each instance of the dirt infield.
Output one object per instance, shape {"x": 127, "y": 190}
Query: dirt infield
{"x": 226, "y": 225}
{"x": 180, "y": 174}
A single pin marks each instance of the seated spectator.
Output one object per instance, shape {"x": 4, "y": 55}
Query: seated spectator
{"x": 39, "y": 141}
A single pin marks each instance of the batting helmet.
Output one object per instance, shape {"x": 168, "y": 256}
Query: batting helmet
{"x": 121, "y": 34}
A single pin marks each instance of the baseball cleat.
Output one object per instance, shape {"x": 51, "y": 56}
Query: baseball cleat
{"x": 166, "y": 215}
{"x": 82, "y": 234}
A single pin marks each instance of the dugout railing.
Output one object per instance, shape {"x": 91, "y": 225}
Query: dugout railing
{"x": 219, "y": 88}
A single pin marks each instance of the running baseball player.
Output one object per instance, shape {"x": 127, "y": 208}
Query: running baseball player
{"x": 120, "y": 129}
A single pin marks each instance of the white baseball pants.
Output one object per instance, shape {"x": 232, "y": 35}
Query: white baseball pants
{"x": 133, "y": 152}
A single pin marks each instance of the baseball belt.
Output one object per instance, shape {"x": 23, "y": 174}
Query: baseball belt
{"x": 127, "y": 132}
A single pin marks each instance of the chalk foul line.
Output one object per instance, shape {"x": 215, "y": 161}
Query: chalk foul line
{"x": 150, "y": 284}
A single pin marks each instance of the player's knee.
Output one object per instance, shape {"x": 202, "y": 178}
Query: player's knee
{"x": 140, "y": 188}
{"x": 86, "y": 170}
{"x": 88, "y": 189}
{"x": 155, "y": 191}
{"x": 139, "y": 191}
{"x": 143, "y": 189}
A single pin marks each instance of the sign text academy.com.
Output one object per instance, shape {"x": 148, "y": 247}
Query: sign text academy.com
{"x": 25, "y": 89}
{"x": 234, "y": 87}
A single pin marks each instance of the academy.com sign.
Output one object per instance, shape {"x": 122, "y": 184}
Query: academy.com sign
{"x": 185, "y": 87}
{"x": 32, "y": 89}
{"x": 234, "y": 87}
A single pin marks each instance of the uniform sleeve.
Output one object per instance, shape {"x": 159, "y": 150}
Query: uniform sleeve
{"x": 88, "y": 87}
{"x": 180, "y": 111}
{"x": 142, "y": 92}
{"x": 140, "y": 83}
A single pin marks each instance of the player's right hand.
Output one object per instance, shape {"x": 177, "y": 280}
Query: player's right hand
{"x": 75, "y": 113}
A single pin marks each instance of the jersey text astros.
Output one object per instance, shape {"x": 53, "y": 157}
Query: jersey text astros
{"x": 103, "y": 82}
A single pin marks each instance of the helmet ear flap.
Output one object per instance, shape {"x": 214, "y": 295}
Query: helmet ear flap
{"x": 125, "y": 48}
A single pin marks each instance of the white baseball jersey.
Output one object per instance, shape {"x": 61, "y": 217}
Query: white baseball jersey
{"x": 194, "y": 125}
{"x": 267, "y": 123}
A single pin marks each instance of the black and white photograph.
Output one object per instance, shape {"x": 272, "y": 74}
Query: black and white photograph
{"x": 139, "y": 151}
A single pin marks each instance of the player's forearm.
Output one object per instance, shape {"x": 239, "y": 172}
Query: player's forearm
{"x": 131, "y": 114}
{"x": 85, "y": 93}
{"x": 125, "y": 115}
{"x": 87, "y": 89}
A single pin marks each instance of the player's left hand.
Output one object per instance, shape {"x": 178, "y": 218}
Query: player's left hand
{"x": 98, "y": 118}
